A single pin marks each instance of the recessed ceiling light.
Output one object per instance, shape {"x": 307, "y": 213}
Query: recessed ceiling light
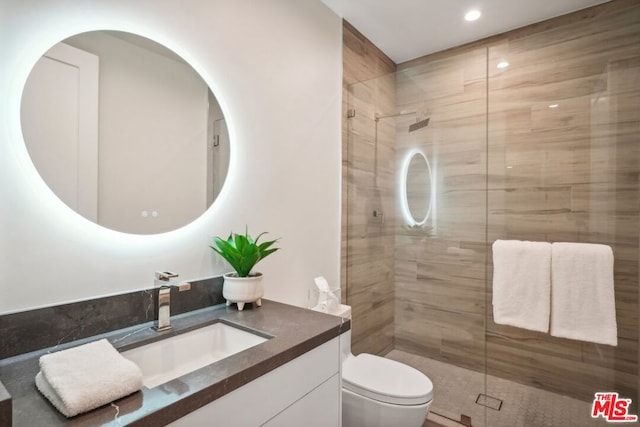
{"x": 553, "y": 106}
{"x": 472, "y": 15}
{"x": 502, "y": 64}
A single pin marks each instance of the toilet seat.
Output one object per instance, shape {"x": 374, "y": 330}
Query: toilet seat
{"x": 386, "y": 380}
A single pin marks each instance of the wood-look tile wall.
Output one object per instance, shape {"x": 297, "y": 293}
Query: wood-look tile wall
{"x": 509, "y": 166}
{"x": 368, "y": 168}
{"x": 564, "y": 138}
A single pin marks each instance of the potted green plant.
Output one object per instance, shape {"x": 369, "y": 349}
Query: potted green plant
{"x": 243, "y": 252}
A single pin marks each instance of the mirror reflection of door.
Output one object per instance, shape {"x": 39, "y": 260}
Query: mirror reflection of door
{"x": 60, "y": 120}
{"x": 217, "y": 150}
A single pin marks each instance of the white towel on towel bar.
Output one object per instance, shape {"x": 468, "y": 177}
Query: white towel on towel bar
{"x": 582, "y": 293}
{"x": 85, "y": 377}
{"x": 522, "y": 284}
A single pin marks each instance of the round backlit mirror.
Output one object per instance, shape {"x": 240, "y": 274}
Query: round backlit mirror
{"x": 125, "y": 132}
{"x": 416, "y": 188}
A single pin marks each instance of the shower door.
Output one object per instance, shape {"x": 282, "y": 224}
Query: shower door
{"x": 416, "y": 224}
{"x": 440, "y": 264}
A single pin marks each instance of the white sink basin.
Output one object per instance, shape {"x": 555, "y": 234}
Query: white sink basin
{"x": 170, "y": 358}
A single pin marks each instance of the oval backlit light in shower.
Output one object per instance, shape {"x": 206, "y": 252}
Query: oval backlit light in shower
{"x": 416, "y": 188}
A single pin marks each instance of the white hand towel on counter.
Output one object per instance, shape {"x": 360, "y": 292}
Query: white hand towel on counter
{"x": 522, "y": 284}
{"x": 582, "y": 294}
{"x": 85, "y": 377}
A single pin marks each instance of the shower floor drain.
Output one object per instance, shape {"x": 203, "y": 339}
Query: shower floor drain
{"x": 489, "y": 402}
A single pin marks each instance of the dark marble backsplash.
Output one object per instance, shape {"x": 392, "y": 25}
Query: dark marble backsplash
{"x": 44, "y": 327}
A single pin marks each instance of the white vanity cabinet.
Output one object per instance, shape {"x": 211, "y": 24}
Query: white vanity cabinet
{"x": 320, "y": 408}
{"x": 304, "y": 391}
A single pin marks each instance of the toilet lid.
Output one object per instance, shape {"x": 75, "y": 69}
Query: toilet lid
{"x": 386, "y": 380}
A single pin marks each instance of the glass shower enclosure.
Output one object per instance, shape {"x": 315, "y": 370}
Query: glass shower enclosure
{"x": 532, "y": 137}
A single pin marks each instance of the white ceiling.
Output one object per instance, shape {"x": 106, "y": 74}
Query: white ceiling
{"x": 408, "y": 29}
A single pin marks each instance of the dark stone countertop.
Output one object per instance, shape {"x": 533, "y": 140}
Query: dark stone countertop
{"x": 294, "y": 331}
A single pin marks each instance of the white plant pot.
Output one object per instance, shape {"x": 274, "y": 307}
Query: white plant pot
{"x": 241, "y": 290}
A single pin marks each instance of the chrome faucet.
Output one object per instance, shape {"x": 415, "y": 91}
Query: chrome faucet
{"x": 164, "y": 277}
{"x": 163, "y": 302}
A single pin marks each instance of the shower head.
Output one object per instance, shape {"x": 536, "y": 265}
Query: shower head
{"x": 419, "y": 125}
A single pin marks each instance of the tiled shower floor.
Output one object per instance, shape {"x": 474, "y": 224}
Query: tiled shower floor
{"x": 456, "y": 390}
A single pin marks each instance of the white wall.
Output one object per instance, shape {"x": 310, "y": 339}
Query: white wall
{"x": 275, "y": 66}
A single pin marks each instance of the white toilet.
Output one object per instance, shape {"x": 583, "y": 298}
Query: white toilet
{"x": 379, "y": 392}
